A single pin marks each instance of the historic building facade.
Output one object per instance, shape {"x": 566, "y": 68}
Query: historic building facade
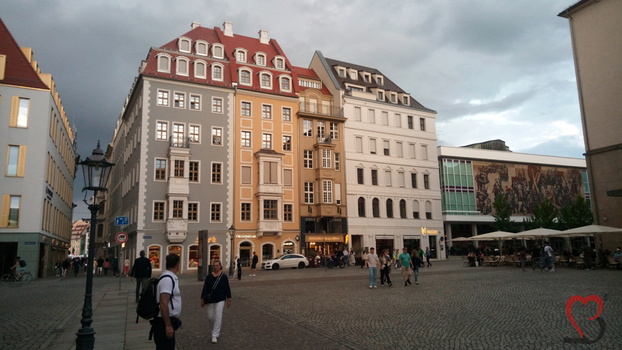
{"x": 471, "y": 179}
{"x": 38, "y": 149}
{"x": 393, "y": 197}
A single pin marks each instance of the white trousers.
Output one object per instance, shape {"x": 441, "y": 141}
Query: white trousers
{"x": 214, "y": 315}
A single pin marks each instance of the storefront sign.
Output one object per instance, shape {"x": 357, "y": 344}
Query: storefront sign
{"x": 425, "y": 231}
{"x": 245, "y": 236}
{"x": 30, "y": 243}
{"x": 324, "y": 238}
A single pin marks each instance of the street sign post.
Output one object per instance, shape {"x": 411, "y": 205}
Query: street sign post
{"x": 121, "y": 237}
{"x": 121, "y": 220}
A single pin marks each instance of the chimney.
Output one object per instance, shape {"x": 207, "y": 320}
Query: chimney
{"x": 228, "y": 28}
{"x": 263, "y": 36}
{"x": 195, "y": 25}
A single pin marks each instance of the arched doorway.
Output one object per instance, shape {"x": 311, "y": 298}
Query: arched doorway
{"x": 245, "y": 253}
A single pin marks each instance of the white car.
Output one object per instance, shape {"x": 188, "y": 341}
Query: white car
{"x": 287, "y": 260}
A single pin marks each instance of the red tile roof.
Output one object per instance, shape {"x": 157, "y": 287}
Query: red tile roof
{"x": 18, "y": 69}
{"x": 231, "y": 66}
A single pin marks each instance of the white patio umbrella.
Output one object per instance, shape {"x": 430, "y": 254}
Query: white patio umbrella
{"x": 499, "y": 236}
{"x": 595, "y": 230}
{"x": 460, "y": 239}
{"x": 539, "y": 233}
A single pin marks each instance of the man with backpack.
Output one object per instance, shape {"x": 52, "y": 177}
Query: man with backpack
{"x": 168, "y": 297}
{"x": 141, "y": 271}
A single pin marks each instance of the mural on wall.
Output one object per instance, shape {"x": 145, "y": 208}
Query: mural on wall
{"x": 524, "y": 186}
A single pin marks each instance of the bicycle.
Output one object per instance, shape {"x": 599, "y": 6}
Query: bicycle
{"x": 10, "y": 278}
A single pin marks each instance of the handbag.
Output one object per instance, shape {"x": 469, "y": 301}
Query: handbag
{"x": 209, "y": 296}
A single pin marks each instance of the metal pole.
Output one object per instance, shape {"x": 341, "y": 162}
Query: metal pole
{"x": 86, "y": 335}
{"x": 231, "y": 262}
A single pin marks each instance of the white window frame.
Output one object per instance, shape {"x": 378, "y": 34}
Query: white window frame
{"x": 258, "y": 57}
{"x": 327, "y": 158}
{"x": 158, "y": 130}
{"x": 266, "y": 140}
{"x": 285, "y": 78}
{"x": 187, "y": 48}
{"x": 222, "y": 71}
{"x": 327, "y": 191}
{"x": 217, "y": 107}
{"x": 192, "y": 104}
{"x": 211, "y": 212}
{"x": 246, "y": 141}
{"x": 279, "y": 62}
{"x": 266, "y": 111}
{"x": 218, "y": 51}
{"x": 241, "y": 71}
{"x": 182, "y": 100}
{"x": 241, "y": 55}
{"x": 198, "y": 45}
{"x": 309, "y": 192}
{"x": 217, "y": 136}
{"x": 307, "y": 159}
{"x": 161, "y": 99}
{"x": 166, "y": 59}
{"x": 200, "y": 69}
{"x": 262, "y": 81}
{"x": 180, "y": 64}
{"x": 192, "y": 136}
{"x": 286, "y": 117}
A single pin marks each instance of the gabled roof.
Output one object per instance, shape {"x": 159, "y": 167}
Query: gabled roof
{"x": 310, "y": 74}
{"x": 252, "y": 46}
{"x": 388, "y": 85}
{"x": 18, "y": 69}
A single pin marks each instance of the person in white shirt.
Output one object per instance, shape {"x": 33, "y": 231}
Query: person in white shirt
{"x": 550, "y": 256}
{"x": 373, "y": 264}
{"x": 168, "y": 296}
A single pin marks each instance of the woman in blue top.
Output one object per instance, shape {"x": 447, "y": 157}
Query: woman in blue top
{"x": 216, "y": 292}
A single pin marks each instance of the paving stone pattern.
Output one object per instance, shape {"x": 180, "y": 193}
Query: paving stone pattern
{"x": 454, "y": 307}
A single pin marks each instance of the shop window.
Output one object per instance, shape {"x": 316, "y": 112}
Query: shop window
{"x": 193, "y": 256}
{"x": 267, "y": 252}
{"x": 155, "y": 255}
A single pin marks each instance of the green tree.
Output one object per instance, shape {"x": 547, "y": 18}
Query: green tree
{"x": 503, "y": 211}
{"x": 575, "y": 214}
{"x": 544, "y": 215}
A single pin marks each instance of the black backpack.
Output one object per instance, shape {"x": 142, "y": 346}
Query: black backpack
{"x": 148, "y": 306}
{"x": 22, "y": 263}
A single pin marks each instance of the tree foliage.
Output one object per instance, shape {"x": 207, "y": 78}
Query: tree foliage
{"x": 503, "y": 211}
{"x": 544, "y": 215}
{"x": 575, "y": 214}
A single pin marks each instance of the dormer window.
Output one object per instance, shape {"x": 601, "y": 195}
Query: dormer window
{"x": 240, "y": 55}
{"x": 200, "y": 69}
{"x": 217, "y": 72}
{"x": 279, "y": 63}
{"x": 164, "y": 63}
{"x": 379, "y": 80}
{"x": 266, "y": 80}
{"x": 260, "y": 59}
{"x": 182, "y": 66}
{"x": 367, "y": 77}
{"x": 286, "y": 83}
{"x": 393, "y": 97}
{"x": 342, "y": 72}
{"x": 245, "y": 76}
{"x": 353, "y": 74}
{"x": 201, "y": 48}
{"x": 184, "y": 45}
{"x": 380, "y": 95}
{"x": 406, "y": 100}
{"x": 218, "y": 51}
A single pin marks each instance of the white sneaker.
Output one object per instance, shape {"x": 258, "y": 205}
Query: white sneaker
{"x": 370, "y": 287}
{"x": 214, "y": 340}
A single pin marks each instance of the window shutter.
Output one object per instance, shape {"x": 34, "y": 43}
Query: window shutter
{"x": 21, "y": 162}
{"x": 4, "y": 217}
{"x": 14, "y": 111}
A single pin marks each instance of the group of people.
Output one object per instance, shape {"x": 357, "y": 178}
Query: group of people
{"x": 409, "y": 265}
{"x": 215, "y": 295}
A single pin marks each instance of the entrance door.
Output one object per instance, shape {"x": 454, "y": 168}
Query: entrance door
{"x": 433, "y": 247}
{"x": 245, "y": 254}
{"x": 382, "y": 244}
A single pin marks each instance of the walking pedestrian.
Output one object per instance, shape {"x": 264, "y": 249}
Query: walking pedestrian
{"x": 76, "y": 266}
{"x": 386, "y": 268}
{"x": 238, "y": 265}
{"x": 364, "y": 258}
{"x": 141, "y": 271}
{"x": 417, "y": 262}
{"x": 254, "y": 264}
{"x": 65, "y": 265}
{"x": 100, "y": 266}
{"x": 373, "y": 264}
{"x": 126, "y": 266}
{"x": 535, "y": 257}
{"x": 346, "y": 258}
{"x": 549, "y": 257}
{"x": 168, "y": 297}
{"x": 106, "y": 266}
{"x": 216, "y": 292}
{"x": 427, "y": 256}
{"x": 352, "y": 257}
{"x": 406, "y": 264}
{"x": 522, "y": 257}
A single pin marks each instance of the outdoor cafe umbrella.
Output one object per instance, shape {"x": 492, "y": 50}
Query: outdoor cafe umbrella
{"x": 595, "y": 230}
{"x": 494, "y": 236}
{"x": 460, "y": 239}
{"x": 539, "y": 233}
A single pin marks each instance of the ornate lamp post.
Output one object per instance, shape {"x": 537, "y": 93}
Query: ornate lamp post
{"x": 231, "y": 260}
{"x": 96, "y": 170}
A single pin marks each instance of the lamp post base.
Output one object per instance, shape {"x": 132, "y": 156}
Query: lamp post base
{"x": 85, "y": 339}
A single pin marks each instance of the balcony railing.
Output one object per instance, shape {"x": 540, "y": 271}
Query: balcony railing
{"x": 179, "y": 142}
{"x": 319, "y": 109}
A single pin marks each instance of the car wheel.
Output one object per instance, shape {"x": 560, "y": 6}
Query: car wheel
{"x": 301, "y": 265}
{"x": 275, "y": 266}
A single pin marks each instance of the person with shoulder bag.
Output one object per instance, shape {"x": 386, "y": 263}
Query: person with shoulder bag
{"x": 216, "y": 292}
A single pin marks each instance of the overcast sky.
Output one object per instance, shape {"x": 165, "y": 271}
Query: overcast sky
{"x": 491, "y": 69}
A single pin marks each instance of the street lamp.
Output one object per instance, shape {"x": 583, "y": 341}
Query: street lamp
{"x": 96, "y": 170}
{"x": 231, "y": 261}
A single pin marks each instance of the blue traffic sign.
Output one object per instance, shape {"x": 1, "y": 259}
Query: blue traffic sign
{"x": 121, "y": 220}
